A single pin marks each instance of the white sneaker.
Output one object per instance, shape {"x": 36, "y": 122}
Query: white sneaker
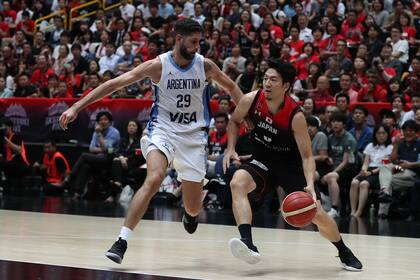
{"x": 241, "y": 251}
{"x": 333, "y": 213}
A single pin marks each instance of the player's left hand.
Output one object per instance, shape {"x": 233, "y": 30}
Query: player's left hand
{"x": 311, "y": 191}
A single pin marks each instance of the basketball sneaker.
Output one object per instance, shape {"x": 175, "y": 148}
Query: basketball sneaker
{"x": 241, "y": 251}
{"x": 190, "y": 224}
{"x": 116, "y": 253}
{"x": 349, "y": 261}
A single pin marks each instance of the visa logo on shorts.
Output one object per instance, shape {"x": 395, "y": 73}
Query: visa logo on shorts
{"x": 184, "y": 118}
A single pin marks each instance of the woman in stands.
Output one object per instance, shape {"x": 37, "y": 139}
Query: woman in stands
{"x": 375, "y": 155}
{"x": 128, "y": 160}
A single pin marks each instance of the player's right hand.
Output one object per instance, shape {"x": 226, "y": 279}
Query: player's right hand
{"x": 228, "y": 156}
{"x": 67, "y": 117}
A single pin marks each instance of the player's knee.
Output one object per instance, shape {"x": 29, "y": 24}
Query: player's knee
{"x": 154, "y": 179}
{"x": 237, "y": 186}
{"x": 355, "y": 183}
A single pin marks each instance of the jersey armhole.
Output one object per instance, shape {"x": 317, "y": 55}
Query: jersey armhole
{"x": 254, "y": 102}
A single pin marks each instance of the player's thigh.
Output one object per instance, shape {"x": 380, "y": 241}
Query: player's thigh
{"x": 190, "y": 157}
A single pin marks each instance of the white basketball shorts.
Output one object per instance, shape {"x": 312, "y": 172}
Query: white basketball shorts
{"x": 186, "y": 152}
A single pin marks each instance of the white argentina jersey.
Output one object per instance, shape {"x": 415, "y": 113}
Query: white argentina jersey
{"x": 181, "y": 97}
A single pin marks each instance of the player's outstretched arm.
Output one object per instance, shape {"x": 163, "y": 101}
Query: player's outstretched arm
{"x": 303, "y": 141}
{"x": 146, "y": 69}
{"x": 233, "y": 127}
{"x": 214, "y": 73}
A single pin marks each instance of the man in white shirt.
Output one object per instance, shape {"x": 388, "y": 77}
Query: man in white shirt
{"x": 400, "y": 47}
{"x": 110, "y": 61}
{"x": 144, "y": 8}
{"x": 127, "y": 10}
{"x": 198, "y": 13}
{"x": 188, "y": 8}
{"x": 305, "y": 33}
{"x": 24, "y": 8}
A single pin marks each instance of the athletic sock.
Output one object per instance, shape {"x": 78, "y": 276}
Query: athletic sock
{"x": 246, "y": 235}
{"x": 125, "y": 233}
{"x": 340, "y": 245}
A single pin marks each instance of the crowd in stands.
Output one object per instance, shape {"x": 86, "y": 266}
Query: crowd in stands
{"x": 345, "y": 51}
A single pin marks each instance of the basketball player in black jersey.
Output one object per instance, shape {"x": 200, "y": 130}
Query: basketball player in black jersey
{"x": 282, "y": 157}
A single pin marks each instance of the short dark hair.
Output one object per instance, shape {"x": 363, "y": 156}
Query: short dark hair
{"x": 410, "y": 124}
{"x": 312, "y": 121}
{"x": 285, "y": 69}
{"x": 76, "y": 46}
{"x": 342, "y": 95}
{"x": 187, "y": 27}
{"x": 387, "y": 113}
{"x": 338, "y": 117}
{"x": 221, "y": 115}
{"x": 398, "y": 96}
{"x": 361, "y": 108}
{"x": 103, "y": 113}
{"x": 321, "y": 110}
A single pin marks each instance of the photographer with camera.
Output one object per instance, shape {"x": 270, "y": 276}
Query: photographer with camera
{"x": 13, "y": 160}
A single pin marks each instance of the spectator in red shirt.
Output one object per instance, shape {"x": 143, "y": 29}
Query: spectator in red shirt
{"x": 72, "y": 80}
{"x": 302, "y": 62}
{"x": 63, "y": 90}
{"x": 322, "y": 92}
{"x": 351, "y": 30}
{"x": 42, "y": 73}
{"x": 373, "y": 92}
{"x": 4, "y": 28}
{"x": 409, "y": 31}
{"x": 276, "y": 33}
{"x": 26, "y": 25}
{"x": 218, "y": 137}
{"x": 360, "y": 77}
{"x": 295, "y": 44}
{"x": 412, "y": 80}
{"x": 328, "y": 46}
{"x": 9, "y": 14}
{"x": 359, "y": 7}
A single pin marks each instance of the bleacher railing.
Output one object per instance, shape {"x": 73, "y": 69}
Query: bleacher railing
{"x": 106, "y": 5}
{"x": 49, "y": 25}
{"x": 74, "y": 12}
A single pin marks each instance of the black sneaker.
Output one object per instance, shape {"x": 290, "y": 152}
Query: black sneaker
{"x": 190, "y": 226}
{"x": 384, "y": 197}
{"x": 116, "y": 253}
{"x": 349, "y": 261}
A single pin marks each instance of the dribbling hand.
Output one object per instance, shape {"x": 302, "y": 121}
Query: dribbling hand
{"x": 311, "y": 191}
{"x": 67, "y": 117}
{"x": 228, "y": 156}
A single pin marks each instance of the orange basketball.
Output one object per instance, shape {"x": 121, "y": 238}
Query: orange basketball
{"x": 298, "y": 209}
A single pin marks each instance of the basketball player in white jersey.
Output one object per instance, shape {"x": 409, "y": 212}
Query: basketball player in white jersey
{"x": 177, "y": 126}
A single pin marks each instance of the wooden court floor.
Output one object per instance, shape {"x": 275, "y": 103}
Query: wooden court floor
{"x": 164, "y": 248}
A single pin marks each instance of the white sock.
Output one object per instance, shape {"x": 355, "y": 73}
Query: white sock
{"x": 125, "y": 233}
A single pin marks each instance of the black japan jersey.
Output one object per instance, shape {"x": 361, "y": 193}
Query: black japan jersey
{"x": 272, "y": 135}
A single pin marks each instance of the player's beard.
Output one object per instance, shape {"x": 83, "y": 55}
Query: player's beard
{"x": 185, "y": 54}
